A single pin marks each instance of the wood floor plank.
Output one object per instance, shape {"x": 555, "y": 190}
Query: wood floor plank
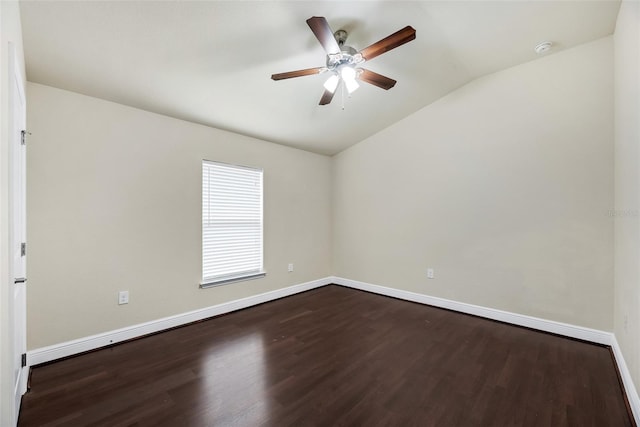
{"x": 334, "y": 356}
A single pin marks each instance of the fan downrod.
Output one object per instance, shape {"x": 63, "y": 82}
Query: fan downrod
{"x": 341, "y": 37}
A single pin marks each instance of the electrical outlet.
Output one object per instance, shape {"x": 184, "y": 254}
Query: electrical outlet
{"x": 123, "y": 297}
{"x": 290, "y": 268}
{"x": 430, "y": 273}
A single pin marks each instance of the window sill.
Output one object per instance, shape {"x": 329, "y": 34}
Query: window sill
{"x": 232, "y": 279}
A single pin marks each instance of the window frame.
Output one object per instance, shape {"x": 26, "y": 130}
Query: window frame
{"x": 241, "y": 275}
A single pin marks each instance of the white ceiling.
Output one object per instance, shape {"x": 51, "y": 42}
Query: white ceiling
{"x": 210, "y": 62}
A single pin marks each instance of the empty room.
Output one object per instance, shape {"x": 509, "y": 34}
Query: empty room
{"x": 320, "y": 213}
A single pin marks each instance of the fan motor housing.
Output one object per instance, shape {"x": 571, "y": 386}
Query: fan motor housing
{"x": 347, "y": 55}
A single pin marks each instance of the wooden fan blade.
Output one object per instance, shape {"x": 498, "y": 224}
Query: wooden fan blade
{"x": 396, "y": 39}
{"x": 376, "y": 79}
{"x": 298, "y": 73}
{"x": 326, "y": 97}
{"x": 324, "y": 34}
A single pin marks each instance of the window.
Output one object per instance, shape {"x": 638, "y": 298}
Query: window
{"x": 231, "y": 223}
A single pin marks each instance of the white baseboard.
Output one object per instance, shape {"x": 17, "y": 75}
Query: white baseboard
{"x": 632, "y": 393}
{"x": 565, "y": 329}
{"x": 69, "y": 348}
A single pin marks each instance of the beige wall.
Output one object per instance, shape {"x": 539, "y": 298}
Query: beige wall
{"x": 114, "y": 196}
{"x": 503, "y": 187}
{"x": 10, "y": 32}
{"x": 627, "y": 185}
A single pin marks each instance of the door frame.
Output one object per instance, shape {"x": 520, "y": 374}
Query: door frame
{"x": 17, "y": 225}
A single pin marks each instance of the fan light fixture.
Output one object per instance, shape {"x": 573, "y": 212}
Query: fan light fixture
{"x": 347, "y": 74}
{"x": 344, "y": 63}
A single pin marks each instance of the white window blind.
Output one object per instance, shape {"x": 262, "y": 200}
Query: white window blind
{"x": 231, "y": 223}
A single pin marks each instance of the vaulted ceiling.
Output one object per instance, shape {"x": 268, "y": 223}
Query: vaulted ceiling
{"x": 210, "y": 62}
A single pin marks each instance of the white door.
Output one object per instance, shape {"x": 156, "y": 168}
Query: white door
{"x": 17, "y": 153}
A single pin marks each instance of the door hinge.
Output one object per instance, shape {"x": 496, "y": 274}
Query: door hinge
{"x": 23, "y": 360}
{"x": 23, "y": 137}
{"x": 23, "y": 249}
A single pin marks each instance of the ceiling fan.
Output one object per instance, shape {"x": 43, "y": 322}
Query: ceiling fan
{"x": 343, "y": 62}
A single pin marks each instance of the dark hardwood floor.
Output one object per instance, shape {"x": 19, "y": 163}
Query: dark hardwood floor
{"x": 334, "y": 357}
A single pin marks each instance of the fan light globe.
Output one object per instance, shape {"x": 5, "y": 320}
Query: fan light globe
{"x": 348, "y": 75}
{"x": 332, "y": 83}
{"x": 351, "y": 85}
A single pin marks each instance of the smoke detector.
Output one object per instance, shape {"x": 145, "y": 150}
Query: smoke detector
{"x": 543, "y": 47}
